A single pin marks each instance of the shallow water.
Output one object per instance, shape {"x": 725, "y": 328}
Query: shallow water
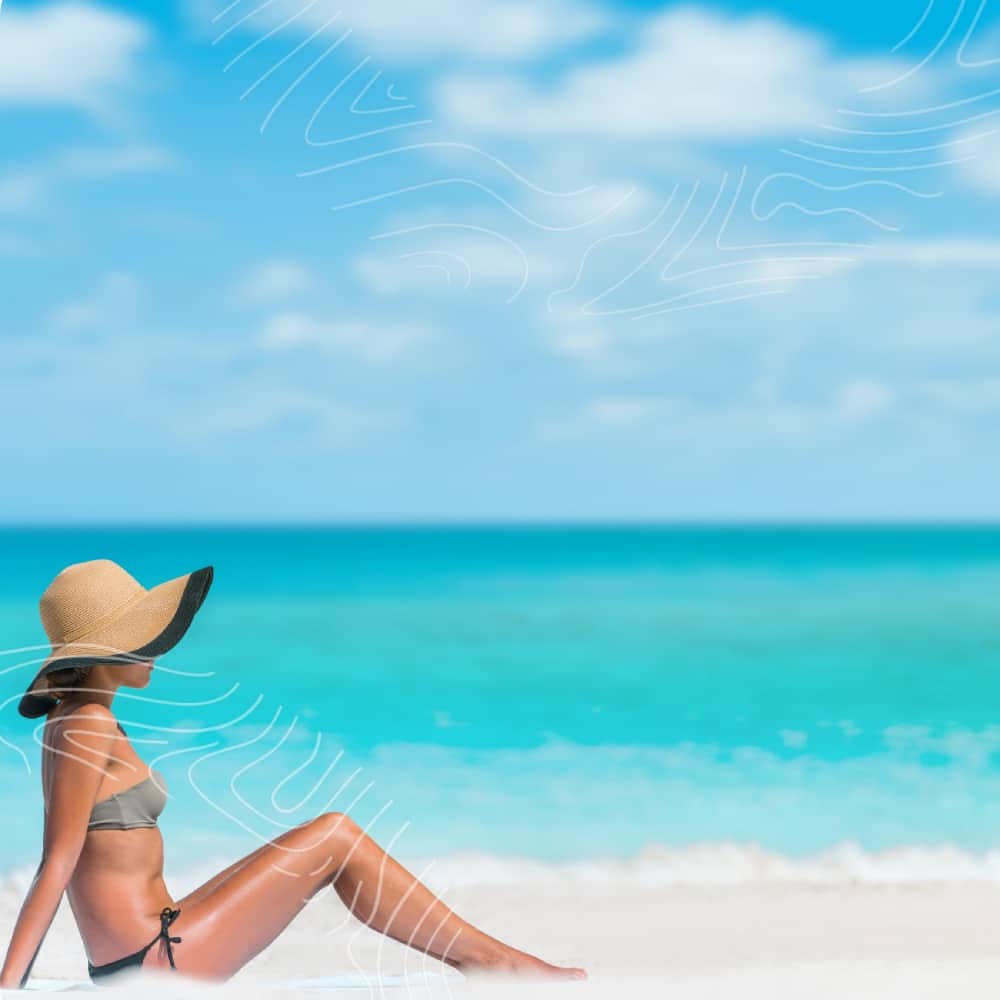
{"x": 554, "y": 693}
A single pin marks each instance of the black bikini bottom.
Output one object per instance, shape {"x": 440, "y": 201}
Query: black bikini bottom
{"x": 167, "y": 917}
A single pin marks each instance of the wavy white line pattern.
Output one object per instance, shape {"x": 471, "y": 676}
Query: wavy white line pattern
{"x": 258, "y": 810}
{"x": 829, "y": 191}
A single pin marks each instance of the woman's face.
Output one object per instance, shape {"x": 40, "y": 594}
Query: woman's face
{"x": 134, "y": 675}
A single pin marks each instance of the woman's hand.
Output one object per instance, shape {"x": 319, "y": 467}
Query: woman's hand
{"x": 82, "y": 751}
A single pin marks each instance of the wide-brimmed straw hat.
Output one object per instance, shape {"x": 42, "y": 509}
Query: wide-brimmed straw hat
{"x": 96, "y": 612}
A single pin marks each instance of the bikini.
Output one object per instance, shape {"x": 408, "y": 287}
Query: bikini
{"x": 134, "y": 807}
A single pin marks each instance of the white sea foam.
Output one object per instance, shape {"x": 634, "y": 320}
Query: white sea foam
{"x": 657, "y": 866}
{"x": 734, "y": 864}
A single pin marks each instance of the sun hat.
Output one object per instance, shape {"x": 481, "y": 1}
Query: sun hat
{"x": 96, "y": 612}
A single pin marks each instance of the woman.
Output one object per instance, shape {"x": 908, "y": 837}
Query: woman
{"x": 102, "y": 845}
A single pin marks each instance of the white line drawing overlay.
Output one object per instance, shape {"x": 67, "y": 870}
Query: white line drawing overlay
{"x": 844, "y": 195}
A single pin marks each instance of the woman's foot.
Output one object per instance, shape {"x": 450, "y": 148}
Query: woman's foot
{"x": 557, "y": 971}
{"x": 504, "y": 959}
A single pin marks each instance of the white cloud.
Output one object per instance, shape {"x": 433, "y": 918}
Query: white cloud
{"x": 625, "y": 411}
{"x": 862, "y": 398}
{"x": 680, "y": 417}
{"x": 600, "y": 349}
{"x": 436, "y": 265}
{"x": 194, "y": 390}
{"x": 691, "y": 73}
{"x": 581, "y": 342}
{"x": 366, "y": 340}
{"x": 467, "y": 29}
{"x": 274, "y": 280}
{"x": 848, "y": 404}
{"x": 96, "y": 163}
{"x": 614, "y": 413}
{"x": 970, "y": 253}
{"x": 76, "y": 55}
{"x": 28, "y": 188}
{"x": 981, "y": 171}
{"x": 111, "y": 303}
{"x": 308, "y": 420}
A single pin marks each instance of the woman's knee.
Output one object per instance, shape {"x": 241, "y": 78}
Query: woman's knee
{"x": 316, "y": 845}
{"x": 335, "y": 827}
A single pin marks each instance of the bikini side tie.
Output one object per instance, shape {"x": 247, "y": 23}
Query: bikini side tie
{"x": 167, "y": 917}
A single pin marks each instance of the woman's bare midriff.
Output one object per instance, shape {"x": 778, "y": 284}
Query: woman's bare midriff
{"x": 117, "y": 892}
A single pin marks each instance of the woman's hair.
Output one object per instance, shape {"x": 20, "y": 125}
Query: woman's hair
{"x": 61, "y": 682}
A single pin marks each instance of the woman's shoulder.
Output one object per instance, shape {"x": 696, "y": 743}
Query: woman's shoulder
{"x": 96, "y": 717}
{"x": 90, "y": 728}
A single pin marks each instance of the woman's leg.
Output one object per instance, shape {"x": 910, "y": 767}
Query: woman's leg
{"x": 206, "y": 887}
{"x": 238, "y": 915}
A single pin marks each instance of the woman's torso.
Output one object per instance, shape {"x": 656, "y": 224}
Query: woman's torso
{"x": 117, "y": 890}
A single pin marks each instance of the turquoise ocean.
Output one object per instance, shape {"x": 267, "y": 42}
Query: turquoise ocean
{"x": 554, "y": 693}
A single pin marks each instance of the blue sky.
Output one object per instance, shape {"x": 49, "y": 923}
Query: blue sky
{"x": 477, "y": 260}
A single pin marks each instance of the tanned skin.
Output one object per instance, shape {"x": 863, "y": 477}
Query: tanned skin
{"x": 114, "y": 878}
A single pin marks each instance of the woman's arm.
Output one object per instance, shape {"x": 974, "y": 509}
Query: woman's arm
{"x": 83, "y": 750}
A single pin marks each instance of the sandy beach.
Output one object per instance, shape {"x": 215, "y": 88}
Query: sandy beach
{"x": 767, "y": 939}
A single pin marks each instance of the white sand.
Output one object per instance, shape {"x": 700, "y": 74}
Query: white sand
{"x": 767, "y": 939}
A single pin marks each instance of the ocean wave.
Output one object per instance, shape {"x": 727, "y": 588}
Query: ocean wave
{"x": 657, "y": 866}
{"x": 721, "y": 864}
{"x": 563, "y": 802}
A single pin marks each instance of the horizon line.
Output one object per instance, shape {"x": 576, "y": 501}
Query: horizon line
{"x": 553, "y": 522}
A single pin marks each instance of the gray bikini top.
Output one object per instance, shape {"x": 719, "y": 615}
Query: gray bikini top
{"x": 138, "y": 805}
